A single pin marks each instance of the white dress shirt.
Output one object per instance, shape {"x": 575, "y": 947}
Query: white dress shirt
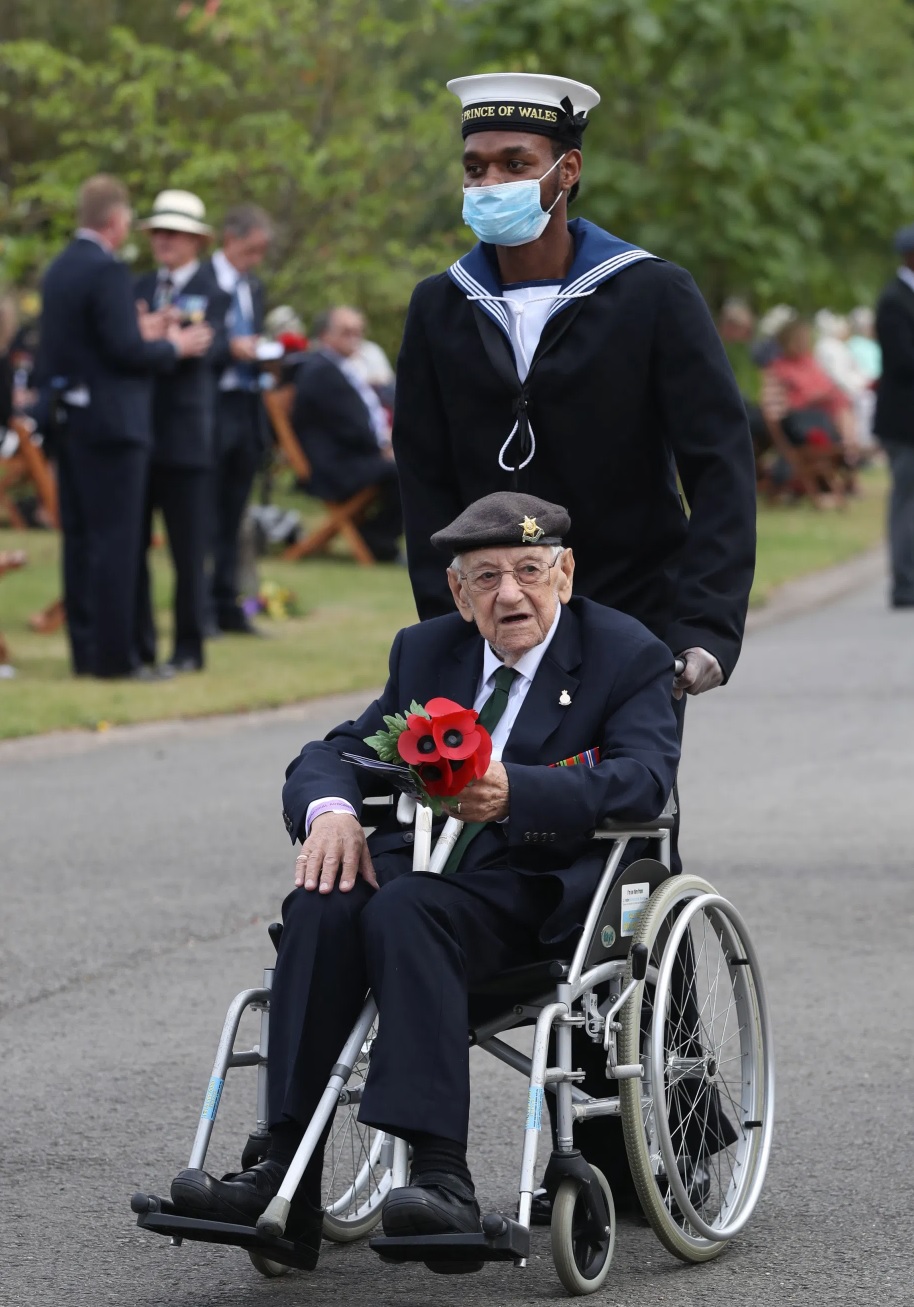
{"x": 87, "y": 234}
{"x": 230, "y": 280}
{"x": 907, "y": 275}
{"x": 526, "y": 667}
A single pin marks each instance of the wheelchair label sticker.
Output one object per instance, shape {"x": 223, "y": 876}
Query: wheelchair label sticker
{"x": 535, "y": 1108}
{"x": 634, "y": 901}
{"x": 607, "y": 936}
{"x": 211, "y": 1102}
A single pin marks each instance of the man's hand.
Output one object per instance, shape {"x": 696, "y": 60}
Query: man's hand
{"x": 336, "y": 844}
{"x": 243, "y": 348}
{"x": 190, "y": 342}
{"x": 701, "y": 672}
{"x": 485, "y": 799}
{"x": 153, "y": 326}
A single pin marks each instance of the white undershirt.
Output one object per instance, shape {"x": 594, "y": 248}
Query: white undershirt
{"x": 526, "y": 667}
{"x": 528, "y": 309}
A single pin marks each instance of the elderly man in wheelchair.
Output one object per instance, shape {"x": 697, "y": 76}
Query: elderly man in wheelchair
{"x": 519, "y": 916}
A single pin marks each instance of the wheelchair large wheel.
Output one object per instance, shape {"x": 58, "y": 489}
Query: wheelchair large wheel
{"x": 582, "y": 1262}
{"x": 357, "y": 1159}
{"x": 698, "y": 1126}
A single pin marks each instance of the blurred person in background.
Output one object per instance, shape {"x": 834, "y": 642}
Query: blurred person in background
{"x": 8, "y": 323}
{"x": 97, "y": 355}
{"x": 868, "y": 357}
{"x": 736, "y": 327}
{"x": 812, "y": 408}
{"x": 894, "y": 421}
{"x": 834, "y": 354}
{"x": 344, "y": 429}
{"x": 183, "y": 417}
{"x": 241, "y": 428}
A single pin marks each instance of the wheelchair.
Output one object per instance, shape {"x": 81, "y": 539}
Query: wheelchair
{"x": 664, "y": 976}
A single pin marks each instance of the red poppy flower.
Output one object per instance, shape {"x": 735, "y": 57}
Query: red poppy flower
{"x": 439, "y": 778}
{"x": 417, "y": 744}
{"x": 454, "y": 728}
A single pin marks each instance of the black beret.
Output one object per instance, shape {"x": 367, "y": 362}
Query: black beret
{"x": 904, "y": 240}
{"x": 505, "y": 518}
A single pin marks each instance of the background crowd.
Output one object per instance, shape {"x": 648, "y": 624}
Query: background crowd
{"x": 195, "y": 431}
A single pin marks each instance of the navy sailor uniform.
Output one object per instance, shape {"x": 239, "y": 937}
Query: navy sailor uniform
{"x": 628, "y": 390}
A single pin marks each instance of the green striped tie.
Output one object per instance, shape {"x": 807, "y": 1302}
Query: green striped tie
{"x": 490, "y": 714}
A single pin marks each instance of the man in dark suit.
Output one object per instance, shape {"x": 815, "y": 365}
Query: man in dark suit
{"x": 241, "y": 429}
{"x": 894, "y": 420}
{"x": 344, "y": 430}
{"x": 183, "y": 415}
{"x": 99, "y": 363}
{"x": 551, "y": 677}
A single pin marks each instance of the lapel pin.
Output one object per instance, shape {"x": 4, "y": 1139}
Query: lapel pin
{"x": 565, "y": 699}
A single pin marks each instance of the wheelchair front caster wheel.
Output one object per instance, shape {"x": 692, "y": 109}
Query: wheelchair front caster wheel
{"x": 272, "y": 1270}
{"x": 582, "y": 1258}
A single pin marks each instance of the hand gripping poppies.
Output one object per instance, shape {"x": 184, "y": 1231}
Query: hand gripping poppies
{"x": 442, "y": 744}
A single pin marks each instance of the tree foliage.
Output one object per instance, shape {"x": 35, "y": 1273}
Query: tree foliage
{"x": 765, "y": 144}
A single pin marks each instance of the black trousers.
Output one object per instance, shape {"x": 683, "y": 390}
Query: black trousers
{"x": 239, "y": 452}
{"x": 182, "y": 494}
{"x": 102, "y": 492}
{"x": 419, "y": 943}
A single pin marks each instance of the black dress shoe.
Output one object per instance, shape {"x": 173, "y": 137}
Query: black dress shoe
{"x": 435, "y": 1204}
{"x": 240, "y": 625}
{"x": 179, "y": 666}
{"x": 238, "y": 1199}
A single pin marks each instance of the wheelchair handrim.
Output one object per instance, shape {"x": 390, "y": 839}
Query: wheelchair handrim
{"x": 757, "y": 1078}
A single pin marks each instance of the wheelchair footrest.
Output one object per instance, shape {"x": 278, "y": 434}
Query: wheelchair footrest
{"x": 160, "y": 1217}
{"x": 503, "y": 1240}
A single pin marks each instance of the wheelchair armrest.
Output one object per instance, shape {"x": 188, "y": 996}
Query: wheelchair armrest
{"x": 608, "y": 830}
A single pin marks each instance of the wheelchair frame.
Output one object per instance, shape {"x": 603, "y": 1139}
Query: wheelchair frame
{"x": 503, "y": 1238}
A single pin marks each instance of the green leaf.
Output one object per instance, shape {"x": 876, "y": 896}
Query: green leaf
{"x": 418, "y": 710}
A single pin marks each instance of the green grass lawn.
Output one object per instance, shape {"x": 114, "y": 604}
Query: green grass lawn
{"x": 338, "y": 641}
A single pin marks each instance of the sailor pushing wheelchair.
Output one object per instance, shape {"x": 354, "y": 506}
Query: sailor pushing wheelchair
{"x": 548, "y": 899}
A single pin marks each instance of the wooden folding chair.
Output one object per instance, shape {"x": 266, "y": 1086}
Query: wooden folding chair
{"x": 342, "y": 518}
{"x": 27, "y": 467}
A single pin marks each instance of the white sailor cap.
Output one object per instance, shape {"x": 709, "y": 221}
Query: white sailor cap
{"x": 529, "y": 102}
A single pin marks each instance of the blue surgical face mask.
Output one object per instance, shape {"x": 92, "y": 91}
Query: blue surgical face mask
{"x": 509, "y": 213}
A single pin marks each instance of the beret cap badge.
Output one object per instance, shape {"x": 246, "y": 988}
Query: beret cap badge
{"x": 530, "y": 532}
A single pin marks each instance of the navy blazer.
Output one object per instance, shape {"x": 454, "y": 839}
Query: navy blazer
{"x": 618, "y": 677}
{"x": 184, "y": 402}
{"x": 894, "y": 419}
{"x": 629, "y": 386}
{"x": 334, "y": 429}
{"x": 90, "y": 336}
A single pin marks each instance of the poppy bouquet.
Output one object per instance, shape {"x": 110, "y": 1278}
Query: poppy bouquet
{"x": 442, "y": 744}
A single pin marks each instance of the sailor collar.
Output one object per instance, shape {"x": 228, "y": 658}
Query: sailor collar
{"x": 598, "y": 257}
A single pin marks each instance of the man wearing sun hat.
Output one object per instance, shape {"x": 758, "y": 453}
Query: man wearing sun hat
{"x": 564, "y": 361}
{"x": 183, "y": 415}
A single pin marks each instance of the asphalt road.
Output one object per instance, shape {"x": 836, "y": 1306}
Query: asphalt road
{"x": 139, "y": 870}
